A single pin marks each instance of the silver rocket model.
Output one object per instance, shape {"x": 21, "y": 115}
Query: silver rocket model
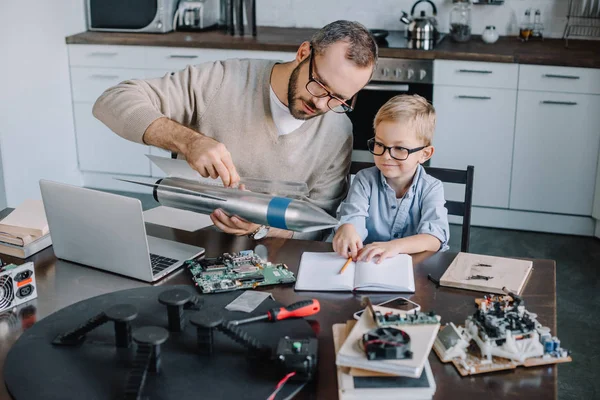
{"x": 264, "y": 209}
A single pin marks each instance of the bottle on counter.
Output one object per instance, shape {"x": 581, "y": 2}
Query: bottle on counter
{"x": 526, "y": 28}
{"x": 490, "y": 34}
{"x": 538, "y": 27}
{"x": 460, "y": 21}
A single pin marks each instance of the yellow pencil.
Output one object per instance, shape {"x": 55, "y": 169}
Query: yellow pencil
{"x": 345, "y": 265}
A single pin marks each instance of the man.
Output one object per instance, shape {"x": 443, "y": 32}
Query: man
{"x": 256, "y": 118}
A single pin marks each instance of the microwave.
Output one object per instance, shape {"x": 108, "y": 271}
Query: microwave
{"x": 152, "y": 16}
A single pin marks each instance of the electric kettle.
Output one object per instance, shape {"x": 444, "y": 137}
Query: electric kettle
{"x": 422, "y": 27}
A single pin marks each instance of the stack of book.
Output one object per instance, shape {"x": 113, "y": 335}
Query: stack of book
{"x": 25, "y": 231}
{"x": 361, "y": 378}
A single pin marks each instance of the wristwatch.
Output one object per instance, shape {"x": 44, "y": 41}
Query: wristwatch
{"x": 260, "y": 233}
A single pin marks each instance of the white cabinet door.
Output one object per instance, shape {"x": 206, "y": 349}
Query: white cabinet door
{"x": 101, "y": 150}
{"x": 476, "y": 127}
{"x": 556, "y": 152}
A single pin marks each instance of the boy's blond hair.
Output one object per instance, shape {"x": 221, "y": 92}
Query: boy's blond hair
{"x": 412, "y": 109}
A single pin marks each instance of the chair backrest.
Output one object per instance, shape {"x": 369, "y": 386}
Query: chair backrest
{"x": 458, "y": 208}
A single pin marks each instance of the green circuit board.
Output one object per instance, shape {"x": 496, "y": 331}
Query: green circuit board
{"x": 237, "y": 271}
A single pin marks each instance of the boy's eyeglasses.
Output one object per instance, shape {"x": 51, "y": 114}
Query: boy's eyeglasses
{"x": 319, "y": 90}
{"x": 397, "y": 152}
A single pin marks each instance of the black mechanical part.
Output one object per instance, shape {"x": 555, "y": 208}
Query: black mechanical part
{"x": 122, "y": 315}
{"x": 243, "y": 338}
{"x": 153, "y": 337}
{"x": 386, "y": 344}
{"x": 299, "y": 355}
{"x": 205, "y": 323}
{"x": 76, "y": 336}
{"x": 138, "y": 373}
{"x": 175, "y": 299}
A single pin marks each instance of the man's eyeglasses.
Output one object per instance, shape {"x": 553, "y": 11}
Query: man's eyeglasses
{"x": 318, "y": 89}
{"x": 397, "y": 152}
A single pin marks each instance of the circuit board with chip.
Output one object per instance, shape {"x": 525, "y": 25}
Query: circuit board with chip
{"x": 237, "y": 271}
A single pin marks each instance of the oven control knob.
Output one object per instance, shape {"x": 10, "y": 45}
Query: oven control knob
{"x": 159, "y": 25}
{"x": 385, "y": 72}
{"x": 410, "y": 73}
{"x": 398, "y": 73}
{"x": 422, "y": 74}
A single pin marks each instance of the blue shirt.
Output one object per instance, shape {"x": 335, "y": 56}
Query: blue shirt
{"x": 378, "y": 216}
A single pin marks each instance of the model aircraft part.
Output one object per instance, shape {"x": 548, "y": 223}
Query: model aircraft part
{"x": 278, "y": 212}
{"x": 181, "y": 169}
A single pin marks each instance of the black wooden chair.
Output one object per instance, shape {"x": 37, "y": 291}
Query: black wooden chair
{"x": 458, "y": 208}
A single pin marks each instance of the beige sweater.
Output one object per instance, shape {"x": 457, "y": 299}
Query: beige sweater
{"x": 229, "y": 101}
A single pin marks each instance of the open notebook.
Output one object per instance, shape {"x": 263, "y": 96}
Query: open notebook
{"x": 320, "y": 272}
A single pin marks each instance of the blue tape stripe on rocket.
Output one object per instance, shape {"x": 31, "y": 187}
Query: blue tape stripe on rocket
{"x": 276, "y": 212}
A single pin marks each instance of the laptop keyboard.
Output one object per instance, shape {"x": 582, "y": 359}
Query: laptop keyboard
{"x": 159, "y": 263}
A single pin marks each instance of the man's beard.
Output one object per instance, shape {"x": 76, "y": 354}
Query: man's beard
{"x": 298, "y": 111}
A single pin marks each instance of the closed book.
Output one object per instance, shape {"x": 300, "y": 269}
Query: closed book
{"x": 489, "y": 274}
{"x": 28, "y": 250}
{"x": 377, "y": 386}
{"x": 29, "y": 218}
{"x": 421, "y": 336}
{"x": 19, "y": 240}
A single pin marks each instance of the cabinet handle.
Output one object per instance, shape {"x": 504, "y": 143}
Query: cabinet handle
{"x": 461, "y": 96}
{"x": 103, "y": 54}
{"x": 560, "y": 103}
{"x": 386, "y": 87}
{"x": 182, "y": 56}
{"x": 98, "y": 76}
{"x": 474, "y": 71}
{"x": 561, "y": 76}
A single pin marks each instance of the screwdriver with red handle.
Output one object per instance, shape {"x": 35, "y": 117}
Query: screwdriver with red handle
{"x": 300, "y": 309}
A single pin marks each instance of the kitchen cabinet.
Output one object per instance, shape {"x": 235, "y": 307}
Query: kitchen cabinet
{"x": 95, "y": 68}
{"x": 475, "y": 107}
{"x": 101, "y": 150}
{"x": 557, "y": 139}
{"x": 475, "y": 127}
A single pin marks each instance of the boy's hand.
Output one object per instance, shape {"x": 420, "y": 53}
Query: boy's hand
{"x": 347, "y": 242}
{"x": 382, "y": 250}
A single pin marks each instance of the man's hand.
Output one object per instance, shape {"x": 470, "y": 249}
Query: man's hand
{"x": 233, "y": 225}
{"x": 211, "y": 158}
{"x": 382, "y": 250}
{"x": 347, "y": 242}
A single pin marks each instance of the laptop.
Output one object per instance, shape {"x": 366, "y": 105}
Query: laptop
{"x": 107, "y": 231}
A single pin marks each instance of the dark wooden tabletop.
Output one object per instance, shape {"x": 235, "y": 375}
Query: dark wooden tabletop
{"x": 508, "y": 49}
{"x": 62, "y": 283}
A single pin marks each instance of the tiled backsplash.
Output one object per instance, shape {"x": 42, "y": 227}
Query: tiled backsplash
{"x": 385, "y": 14}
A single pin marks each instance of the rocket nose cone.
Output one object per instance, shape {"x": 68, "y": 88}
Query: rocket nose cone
{"x": 302, "y": 216}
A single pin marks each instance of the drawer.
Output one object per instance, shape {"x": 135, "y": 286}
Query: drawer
{"x": 83, "y": 55}
{"x": 559, "y": 79}
{"x": 177, "y": 58}
{"x": 475, "y": 74}
{"x": 89, "y": 83}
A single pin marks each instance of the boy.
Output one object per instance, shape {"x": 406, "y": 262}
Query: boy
{"x": 395, "y": 207}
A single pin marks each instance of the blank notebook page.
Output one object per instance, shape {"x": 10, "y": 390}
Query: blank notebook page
{"x": 394, "y": 273}
{"x": 320, "y": 272}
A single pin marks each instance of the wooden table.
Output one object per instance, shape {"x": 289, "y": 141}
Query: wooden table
{"x": 62, "y": 283}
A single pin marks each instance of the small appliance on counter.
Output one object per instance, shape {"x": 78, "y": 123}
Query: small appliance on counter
{"x": 145, "y": 16}
{"x": 196, "y": 15}
{"x": 421, "y": 31}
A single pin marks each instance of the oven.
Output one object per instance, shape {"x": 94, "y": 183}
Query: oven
{"x": 392, "y": 77}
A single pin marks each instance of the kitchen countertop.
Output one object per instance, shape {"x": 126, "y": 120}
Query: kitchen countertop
{"x": 581, "y": 53}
